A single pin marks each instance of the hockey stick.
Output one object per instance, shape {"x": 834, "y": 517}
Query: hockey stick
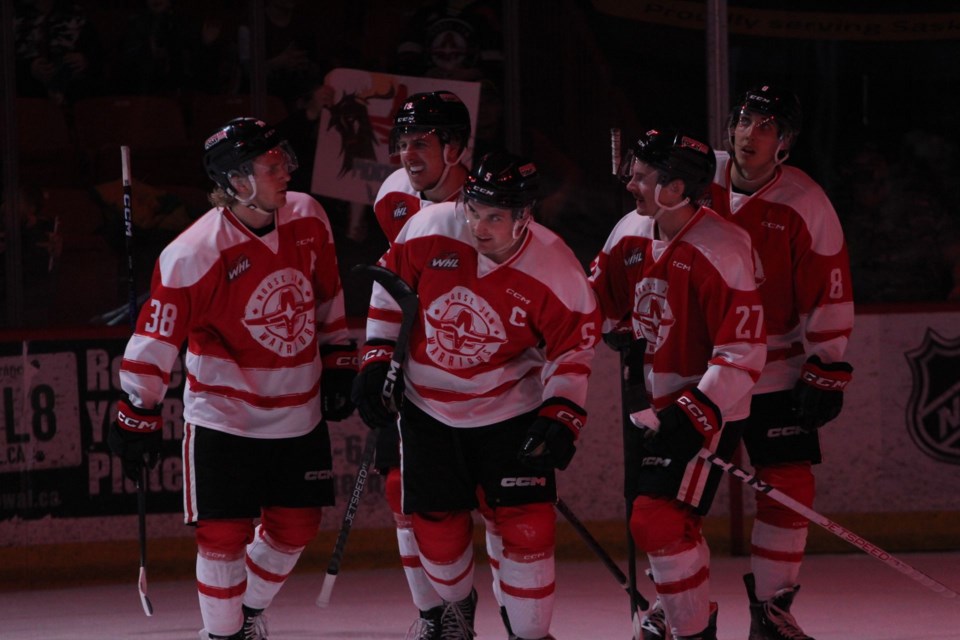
{"x": 636, "y": 599}
{"x": 636, "y": 605}
{"x": 409, "y": 303}
{"x": 845, "y": 534}
{"x": 132, "y": 317}
{"x": 856, "y": 540}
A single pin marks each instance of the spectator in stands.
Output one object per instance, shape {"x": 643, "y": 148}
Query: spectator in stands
{"x": 58, "y": 52}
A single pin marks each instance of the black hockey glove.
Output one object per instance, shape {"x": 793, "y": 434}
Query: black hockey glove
{"x": 550, "y": 439}
{"x": 336, "y": 381}
{"x": 684, "y": 425}
{"x": 367, "y": 391}
{"x": 818, "y": 395}
{"x": 136, "y": 437}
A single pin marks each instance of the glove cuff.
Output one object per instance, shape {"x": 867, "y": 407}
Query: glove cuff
{"x": 380, "y": 351}
{"x": 566, "y": 413}
{"x": 703, "y": 414}
{"x": 136, "y": 420}
{"x": 834, "y": 376}
{"x": 339, "y": 356}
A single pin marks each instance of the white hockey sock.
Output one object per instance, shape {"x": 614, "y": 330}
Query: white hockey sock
{"x": 683, "y": 584}
{"x": 495, "y": 554}
{"x": 776, "y": 557}
{"x": 453, "y": 581}
{"x": 268, "y": 565}
{"x": 528, "y": 586}
{"x": 424, "y": 595}
{"x": 220, "y": 586}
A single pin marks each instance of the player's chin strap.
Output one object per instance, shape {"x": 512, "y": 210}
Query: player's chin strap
{"x": 248, "y": 201}
{"x": 520, "y": 226}
{"x": 662, "y": 208}
{"x": 446, "y": 167}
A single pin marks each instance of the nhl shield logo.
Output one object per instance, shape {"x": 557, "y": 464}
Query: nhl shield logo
{"x": 933, "y": 412}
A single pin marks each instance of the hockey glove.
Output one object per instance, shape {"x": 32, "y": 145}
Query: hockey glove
{"x": 818, "y": 395}
{"x": 684, "y": 425}
{"x": 368, "y": 386}
{"x": 549, "y": 441}
{"x": 336, "y": 381}
{"x": 136, "y": 437}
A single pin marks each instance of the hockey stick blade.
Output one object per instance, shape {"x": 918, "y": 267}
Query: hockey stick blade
{"x": 142, "y": 526}
{"x": 844, "y": 534}
{"x": 604, "y": 557}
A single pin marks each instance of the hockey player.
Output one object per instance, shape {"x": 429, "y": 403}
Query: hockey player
{"x": 682, "y": 279}
{"x": 808, "y": 305}
{"x": 430, "y": 136}
{"x": 494, "y": 387}
{"x": 253, "y": 288}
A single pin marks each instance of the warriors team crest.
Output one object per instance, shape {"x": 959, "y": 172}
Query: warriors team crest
{"x": 462, "y": 329}
{"x": 280, "y": 313}
{"x": 933, "y": 412}
{"x": 652, "y": 315}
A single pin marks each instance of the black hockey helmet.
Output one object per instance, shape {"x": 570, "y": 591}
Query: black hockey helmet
{"x": 234, "y": 147}
{"x": 503, "y": 180}
{"x": 771, "y": 100}
{"x": 676, "y": 156}
{"x": 439, "y": 112}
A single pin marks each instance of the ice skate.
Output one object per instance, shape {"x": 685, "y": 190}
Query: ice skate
{"x": 771, "y": 619}
{"x": 427, "y": 626}
{"x": 456, "y": 623}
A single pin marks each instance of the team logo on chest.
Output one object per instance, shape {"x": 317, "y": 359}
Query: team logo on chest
{"x": 652, "y": 315}
{"x": 399, "y": 210}
{"x": 462, "y": 329}
{"x": 933, "y": 412}
{"x": 280, "y": 313}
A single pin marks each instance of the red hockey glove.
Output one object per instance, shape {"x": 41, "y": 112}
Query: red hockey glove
{"x": 818, "y": 395}
{"x": 136, "y": 437}
{"x": 367, "y": 391}
{"x": 684, "y": 425}
{"x": 339, "y": 370}
{"x": 549, "y": 441}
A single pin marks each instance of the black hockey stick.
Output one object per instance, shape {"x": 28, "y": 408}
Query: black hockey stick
{"x": 623, "y": 346}
{"x": 608, "y": 562}
{"x": 132, "y": 317}
{"x": 409, "y": 303}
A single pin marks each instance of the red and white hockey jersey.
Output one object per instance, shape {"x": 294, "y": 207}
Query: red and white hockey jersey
{"x": 253, "y": 312}
{"x": 693, "y": 299}
{"x": 803, "y": 269}
{"x": 397, "y": 201}
{"x": 491, "y": 341}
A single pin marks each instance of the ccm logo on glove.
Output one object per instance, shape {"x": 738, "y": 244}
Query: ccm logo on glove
{"x": 705, "y": 423}
{"x": 130, "y": 420}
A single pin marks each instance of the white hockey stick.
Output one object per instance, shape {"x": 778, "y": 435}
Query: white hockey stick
{"x": 645, "y": 420}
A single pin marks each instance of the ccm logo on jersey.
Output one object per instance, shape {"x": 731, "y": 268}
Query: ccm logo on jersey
{"x": 523, "y": 482}
{"x": 323, "y": 474}
{"x": 681, "y": 265}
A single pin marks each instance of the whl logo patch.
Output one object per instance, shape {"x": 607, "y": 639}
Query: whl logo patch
{"x": 933, "y": 412}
